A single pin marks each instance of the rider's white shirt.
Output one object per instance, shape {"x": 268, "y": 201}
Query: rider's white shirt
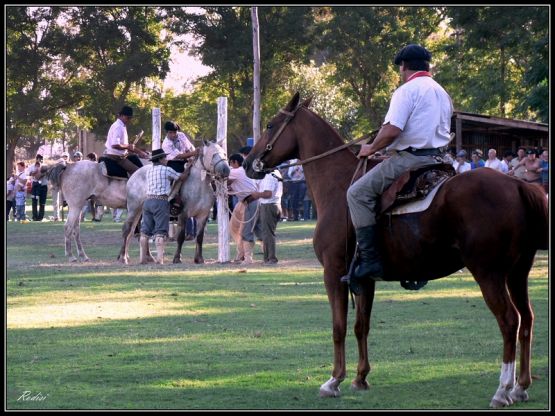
{"x": 116, "y": 135}
{"x": 422, "y": 109}
{"x": 174, "y": 148}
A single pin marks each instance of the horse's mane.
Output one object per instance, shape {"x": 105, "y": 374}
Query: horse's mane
{"x": 336, "y": 134}
{"x": 54, "y": 174}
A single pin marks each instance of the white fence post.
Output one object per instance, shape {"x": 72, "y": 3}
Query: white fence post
{"x": 221, "y": 188}
{"x": 156, "y": 129}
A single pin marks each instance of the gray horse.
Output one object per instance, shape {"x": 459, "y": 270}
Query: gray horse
{"x": 196, "y": 193}
{"x": 78, "y": 182}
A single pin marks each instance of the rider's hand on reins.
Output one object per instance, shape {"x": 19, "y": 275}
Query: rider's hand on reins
{"x": 365, "y": 151}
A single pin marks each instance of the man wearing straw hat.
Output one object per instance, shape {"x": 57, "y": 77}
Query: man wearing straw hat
{"x": 156, "y": 208}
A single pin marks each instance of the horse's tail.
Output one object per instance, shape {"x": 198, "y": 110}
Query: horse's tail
{"x": 537, "y": 213}
{"x": 54, "y": 174}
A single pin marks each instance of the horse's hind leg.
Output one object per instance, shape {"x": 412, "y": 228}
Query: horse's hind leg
{"x": 517, "y": 284}
{"x": 128, "y": 231}
{"x": 499, "y": 302}
{"x": 362, "y": 328}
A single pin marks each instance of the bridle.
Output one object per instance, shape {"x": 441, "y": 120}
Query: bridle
{"x": 258, "y": 164}
{"x": 212, "y": 150}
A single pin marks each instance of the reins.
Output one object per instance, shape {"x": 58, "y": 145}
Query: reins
{"x": 259, "y": 166}
{"x": 288, "y": 118}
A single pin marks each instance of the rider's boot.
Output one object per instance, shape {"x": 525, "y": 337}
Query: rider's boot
{"x": 160, "y": 248}
{"x": 366, "y": 263}
{"x": 176, "y": 205}
{"x": 370, "y": 264}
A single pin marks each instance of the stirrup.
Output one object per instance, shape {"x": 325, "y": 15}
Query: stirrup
{"x": 413, "y": 284}
{"x": 354, "y": 284}
{"x": 175, "y": 208}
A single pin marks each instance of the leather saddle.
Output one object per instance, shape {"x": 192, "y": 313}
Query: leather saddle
{"x": 414, "y": 185}
{"x": 111, "y": 169}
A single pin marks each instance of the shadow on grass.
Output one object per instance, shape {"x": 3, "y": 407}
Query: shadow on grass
{"x": 440, "y": 354}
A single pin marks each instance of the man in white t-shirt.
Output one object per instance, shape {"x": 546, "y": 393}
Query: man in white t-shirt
{"x": 117, "y": 142}
{"x": 416, "y": 125}
{"x": 493, "y": 162}
{"x": 460, "y": 164}
{"x": 270, "y": 190}
{"x": 178, "y": 149}
{"x": 243, "y": 187}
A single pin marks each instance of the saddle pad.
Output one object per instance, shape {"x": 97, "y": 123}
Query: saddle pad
{"x": 413, "y": 184}
{"x": 420, "y": 204}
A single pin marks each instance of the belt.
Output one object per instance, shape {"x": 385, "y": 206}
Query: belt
{"x": 422, "y": 152}
{"x": 162, "y": 197}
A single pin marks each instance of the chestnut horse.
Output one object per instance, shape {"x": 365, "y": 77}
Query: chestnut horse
{"x": 495, "y": 234}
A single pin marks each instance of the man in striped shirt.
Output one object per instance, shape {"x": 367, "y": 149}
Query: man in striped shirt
{"x": 156, "y": 208}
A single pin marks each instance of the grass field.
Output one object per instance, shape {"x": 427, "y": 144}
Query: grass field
{"x": 100, "y": 335}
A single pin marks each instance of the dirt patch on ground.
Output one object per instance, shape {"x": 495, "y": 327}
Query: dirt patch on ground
{"x": 50, "y": 237}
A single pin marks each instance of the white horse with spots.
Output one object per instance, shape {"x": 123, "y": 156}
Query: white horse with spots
{"x": 78, "y": 182}
{"x": 197, "y": 195}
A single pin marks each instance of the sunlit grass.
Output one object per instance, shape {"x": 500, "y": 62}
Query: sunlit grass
{"x": 101, "y": 335}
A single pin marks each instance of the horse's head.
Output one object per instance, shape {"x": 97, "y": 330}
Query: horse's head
{"x": 277, "y": 144}
{"x": 214, "y": 159}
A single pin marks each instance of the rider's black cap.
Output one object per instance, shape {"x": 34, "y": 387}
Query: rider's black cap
{"x": 413, "y": 52}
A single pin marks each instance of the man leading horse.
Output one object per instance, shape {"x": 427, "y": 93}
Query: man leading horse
{"x": 416, "y": 125}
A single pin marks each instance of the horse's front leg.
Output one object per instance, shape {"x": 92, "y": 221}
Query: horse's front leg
{"x": 201, "y": 223}
{"x": 80, "y": 250}
{"x": 362, "y": 328}
{"x": 69, "y": 234}
{"x": 338, "y": 299}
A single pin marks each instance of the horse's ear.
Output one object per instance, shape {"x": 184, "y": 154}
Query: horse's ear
{"x": 204, "y": 142}
{"x": 306, "y": 103}
{"x": 293, "y": 103}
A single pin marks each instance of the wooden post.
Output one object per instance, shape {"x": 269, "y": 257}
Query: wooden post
{"x": 256, "y": 75}
{"x": 221, "y": 187}
{"x": 458, "y": 133}
{"x": 156, "y": 129}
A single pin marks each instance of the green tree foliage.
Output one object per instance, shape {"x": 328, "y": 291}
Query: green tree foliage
{"x": 118, "y": 49}
{"x": 361, "y": 42}
{"x": 226, "y": 46}
{"x": 498, "y": 60}
{"x": 35, "y": 92}
{"x": 64, "y": 61}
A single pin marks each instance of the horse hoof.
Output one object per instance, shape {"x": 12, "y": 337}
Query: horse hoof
{"x": 359, "y": 385}
{"x": 330, "y": 388}
{"x": 518, "y": 394}
{"x": 176, "y": 261}
{"x": 502, "y": 398}
{"x": 329, "y": 392}
{"x": 199, "y": 261}
{"x": 72, "y": 259}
